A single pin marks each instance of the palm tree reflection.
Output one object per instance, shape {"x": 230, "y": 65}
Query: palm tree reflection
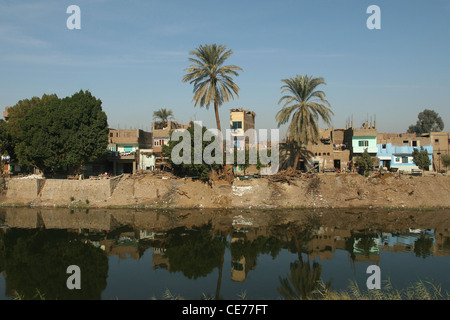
{"x": 304, "y": 280}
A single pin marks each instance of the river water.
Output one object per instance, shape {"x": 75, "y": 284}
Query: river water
{"x": 220, "y": 254}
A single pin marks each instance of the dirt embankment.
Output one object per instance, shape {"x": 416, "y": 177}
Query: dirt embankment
{"x": 314, "y": 191}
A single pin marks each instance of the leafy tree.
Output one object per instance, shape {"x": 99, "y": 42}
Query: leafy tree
{"x": 86, "y": 135}
{"x": 163, "y": 115}
{"x": 248, "y": 160}
{"x": 11, "y": 129}
{"x": 364, "y": 162}
{"x": 61, "y": 132}
{"x": 429, "y": 121}
{"x": 303, "y": 107}
{"x": 421, "y": 158}
{"x": 202, "y": 170}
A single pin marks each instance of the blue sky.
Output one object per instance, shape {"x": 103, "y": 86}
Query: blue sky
{"x": 132, "y": 55}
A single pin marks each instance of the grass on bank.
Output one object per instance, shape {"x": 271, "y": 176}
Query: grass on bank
{"x": 421, "y": 290}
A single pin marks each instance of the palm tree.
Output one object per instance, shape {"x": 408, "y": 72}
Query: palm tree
{"x": 305, "y": 104}
{"x": 212, "y": 80}
{"x": 163, "y": 115}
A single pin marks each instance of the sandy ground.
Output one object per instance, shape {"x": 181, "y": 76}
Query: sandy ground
{"x": 327, "y": 190}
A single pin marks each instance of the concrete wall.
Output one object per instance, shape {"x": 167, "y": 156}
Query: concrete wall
{"x": 59, "y": 191}
{"x": 64, "y": 190}
{"x": 24, "y": 190}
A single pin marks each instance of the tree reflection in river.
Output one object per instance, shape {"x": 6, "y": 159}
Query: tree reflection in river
{"x": 36, "y": 261}
{"x": 304, "y": 279}
{"x": 287, "y": 254}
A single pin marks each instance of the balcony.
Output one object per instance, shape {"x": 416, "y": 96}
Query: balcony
{"x": 127, "y": 155}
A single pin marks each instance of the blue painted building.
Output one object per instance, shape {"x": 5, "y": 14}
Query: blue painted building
{"x": 392, "y": 156}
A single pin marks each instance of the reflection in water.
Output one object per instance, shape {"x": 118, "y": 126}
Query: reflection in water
{"x": 35, "y": 263}
{"x": 36, "y": 246}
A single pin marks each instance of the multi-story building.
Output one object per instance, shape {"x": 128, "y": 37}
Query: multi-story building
{"x": 124, "y": 146}
{"x": 395, "y": 150}
{"x": 161, "y": 133}
{"x": 441, "y": 146}
{"x": 161, "y": 137}
{"x": 330, "y": 153}
{"x": 364, "y": 139}
{"x": 240, "y": 122}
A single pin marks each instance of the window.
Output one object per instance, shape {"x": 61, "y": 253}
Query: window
{"x": 405, "y": 141}
{"x": 111, "y": 134}
{"x": 384, "y": 146}
{"x": 436, "y": 141}
{"x": 404, "y": 159}
{"x": 397, "y": 160}
{"x": 363, "y": 143}
{"x": 236, "y": 125}
{"x": 414, "y": 143}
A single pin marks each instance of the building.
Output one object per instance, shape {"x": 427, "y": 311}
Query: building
{"x": 240, "y": 122}
{"x": 124, "y": 146}
{"x": 395, "y": 150}
{"x": 161, "y": 137}
{"x": 441, "y": 146}
{"x": 330, "y": 153}
{"x": 363, "y": 139}
{"x": 6, "y": 113}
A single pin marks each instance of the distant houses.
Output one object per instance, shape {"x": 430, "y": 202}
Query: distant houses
{"x": 135, "y": 150}
{"x": 132, "y": 150}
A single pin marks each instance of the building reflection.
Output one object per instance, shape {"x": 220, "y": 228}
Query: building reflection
{"x": 198, "y": 250}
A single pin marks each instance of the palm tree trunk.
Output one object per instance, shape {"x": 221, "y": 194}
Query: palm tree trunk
{"x": 216, "y": 110}
{"x": 297, "y": 157}
{"x": 219, "y": 280}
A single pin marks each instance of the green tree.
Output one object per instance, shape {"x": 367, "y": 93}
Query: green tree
{"x": 364, "y": 162}
{"x": 429, "y": 121}
{"x": 62, "y": 132}
{"x": 85, "y": 137}
{"x": 304, "y": 106}
{"x": 163, "y": 115}
{"x": 421, "y": 158}
{"x": 11, "y": 129}
{"x": 212, "y": 80}
{"x": 202, "y": 170}
{"x": 244, "y": 158}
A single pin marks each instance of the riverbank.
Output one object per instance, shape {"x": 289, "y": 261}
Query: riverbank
{"x": 330, "y": 190}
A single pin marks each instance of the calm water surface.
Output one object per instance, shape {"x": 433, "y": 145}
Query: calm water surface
{"x": 227, "y": 254}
